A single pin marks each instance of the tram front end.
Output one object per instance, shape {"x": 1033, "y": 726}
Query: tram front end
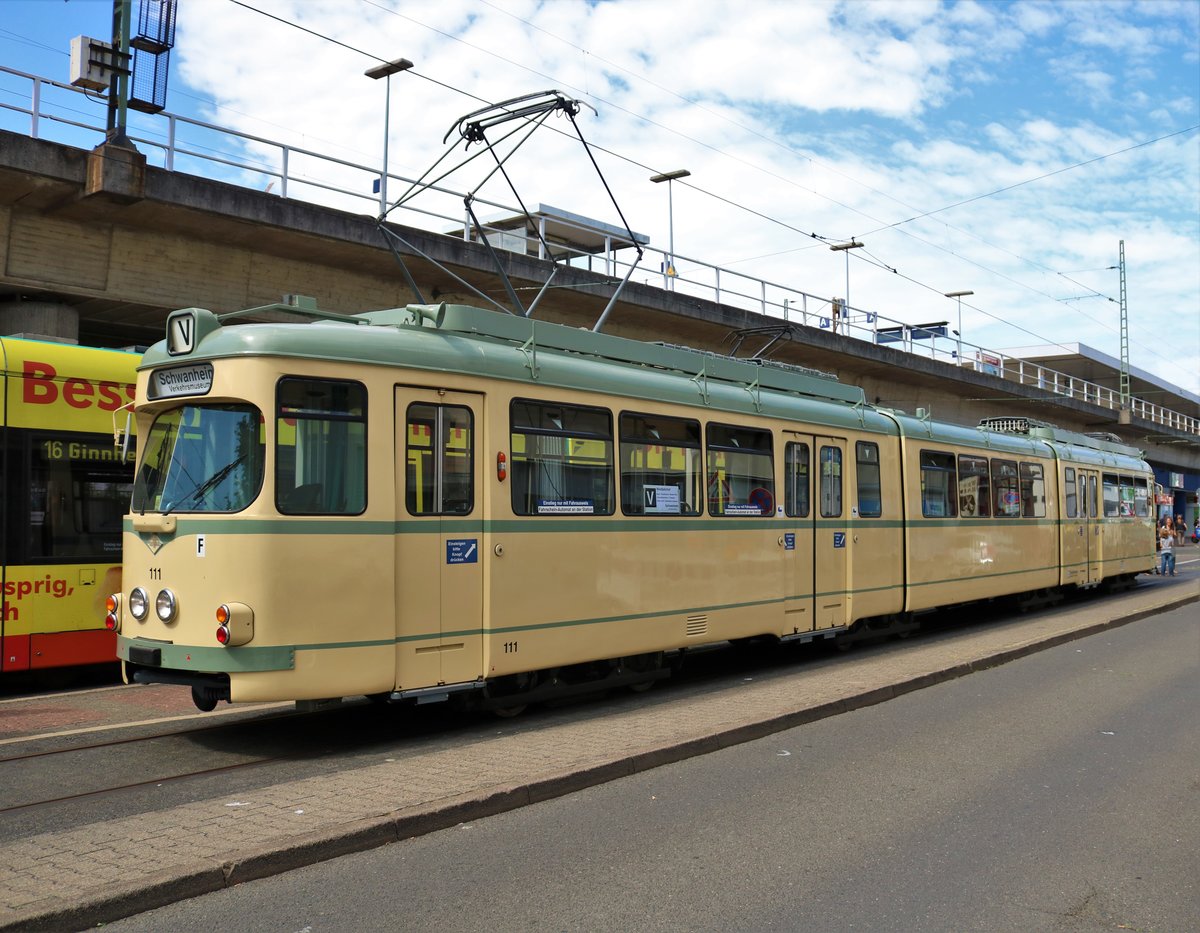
{"x": 244, "y": 521}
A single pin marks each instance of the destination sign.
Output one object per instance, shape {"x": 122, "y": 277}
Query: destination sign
{"x": 181, "y": 380}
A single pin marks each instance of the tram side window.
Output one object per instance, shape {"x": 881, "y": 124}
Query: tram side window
{"x": 320, "y": 447}
{"x": 661, "y": 470}
{"x": 939, "y": 485}
{"x": 796, "y": 477}
{"x": 439, "y": 460}
{"x": 974, "y": 493}
{"x": 1006, "y": 489}
{"x": 741, "y": 471}
{"x": 1033, "y": 491}
{"x": 1141, "y": 498}
{"x": 1072, "y": 496}
{"x": 1127, "y": 505}
{"x": 831, "y": 482}
{"x": 1112, "y": 496}
{"x": 561, "y": 459}
{"x": 78, "y": 493}
{"x": 870, "y": 496}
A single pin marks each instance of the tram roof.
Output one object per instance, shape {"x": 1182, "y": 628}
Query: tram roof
{"x": 556, "y": 354}
{"x": 522, "y": 331}
{"x": 530, "y": 336}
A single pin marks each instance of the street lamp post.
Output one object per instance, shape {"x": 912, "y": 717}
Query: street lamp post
{"x": 845, "y": 248}
{"x": 386, "y": 70}
{"x": 668, "y": 177}
{"x": 960, "y": 296}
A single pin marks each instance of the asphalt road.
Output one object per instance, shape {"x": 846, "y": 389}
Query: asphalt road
{"x": 1059, "y": 792}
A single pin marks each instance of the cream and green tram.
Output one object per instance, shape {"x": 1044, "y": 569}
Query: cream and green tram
{"x": 441, "y": 501}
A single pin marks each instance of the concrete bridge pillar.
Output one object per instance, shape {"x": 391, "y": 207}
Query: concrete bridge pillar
{"x": 40, "y": 319}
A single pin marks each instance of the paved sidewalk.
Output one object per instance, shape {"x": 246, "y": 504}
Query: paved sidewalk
{"x": 78, "y": 878}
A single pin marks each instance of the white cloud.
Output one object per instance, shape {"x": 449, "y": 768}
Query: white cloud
{"x": 1037, "y": 19}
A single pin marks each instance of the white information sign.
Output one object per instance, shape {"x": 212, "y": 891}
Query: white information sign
{"x": 181, "y": 380}
{"x": 661, "y": 500}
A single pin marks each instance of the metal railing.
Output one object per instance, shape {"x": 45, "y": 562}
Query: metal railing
{"x": 51, "y": 110}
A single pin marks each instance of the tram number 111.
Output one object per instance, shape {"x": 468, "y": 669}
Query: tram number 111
{"x": 510, "y": 647}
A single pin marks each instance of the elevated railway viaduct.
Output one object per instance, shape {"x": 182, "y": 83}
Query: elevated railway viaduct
{"x": 100, "y": 247}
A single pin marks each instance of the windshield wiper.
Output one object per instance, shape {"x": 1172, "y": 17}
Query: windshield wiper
{"x": 211, "y": 482}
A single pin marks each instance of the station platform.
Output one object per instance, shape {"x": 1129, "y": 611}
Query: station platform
{"x": 89, "y": 875}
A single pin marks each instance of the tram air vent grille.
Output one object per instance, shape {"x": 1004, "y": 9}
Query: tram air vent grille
{"x": 1012, "y": 424}
{"x": 697, "y": 625}
{"x": 1006, "y": 425}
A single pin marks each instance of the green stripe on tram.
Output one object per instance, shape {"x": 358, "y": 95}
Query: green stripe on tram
{"x": 594, "y": 525}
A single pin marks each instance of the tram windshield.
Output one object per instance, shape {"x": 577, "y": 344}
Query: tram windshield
{"x": 201, "y": 459}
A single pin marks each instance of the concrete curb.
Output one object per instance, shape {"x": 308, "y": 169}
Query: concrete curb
{"x": 135, "y": 898}
{"x": 357, "y": 836}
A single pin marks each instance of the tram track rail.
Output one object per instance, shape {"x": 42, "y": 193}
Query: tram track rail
{"x": 76, "y": 759}
{"x": 98, "y": 695}
{"x": 201, "y": 726}
{"x": 157, "y": 781}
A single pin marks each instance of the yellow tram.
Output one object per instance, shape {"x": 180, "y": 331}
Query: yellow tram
{"x": 439, "y": 501}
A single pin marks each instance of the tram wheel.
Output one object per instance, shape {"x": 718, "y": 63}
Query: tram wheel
{"x": 642, "y": 662}
{"x": 503, "y": 698}
{"x": 205, "y": 700}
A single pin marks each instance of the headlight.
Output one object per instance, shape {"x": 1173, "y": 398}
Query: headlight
{"x": 139, "y": 603}
{"x": 165, "y": 605}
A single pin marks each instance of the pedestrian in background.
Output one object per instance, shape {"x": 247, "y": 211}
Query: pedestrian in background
{"x": 1167, "y": 539}
{"x": 1180, "y": 530}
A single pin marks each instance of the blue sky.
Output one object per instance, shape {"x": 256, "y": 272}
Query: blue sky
{"x": 1003, "y": 148}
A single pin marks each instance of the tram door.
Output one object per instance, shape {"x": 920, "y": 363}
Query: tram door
{"x": 1078, "y": 527}
{"x": 439, "y": 567}
{"x": 818, "y": 564}
{"x": 1081, "y": 555}
{"x": 1074, "y": 526}
{"x": 1092, "y": 532}
{"x": 832, "y": 540}
{"x": 797, "y": 541}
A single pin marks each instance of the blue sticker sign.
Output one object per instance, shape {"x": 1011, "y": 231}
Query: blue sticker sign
{"x": 839, "y": 539}
{"x": 789, "y": 541}
{"x": 462, "y": 551}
